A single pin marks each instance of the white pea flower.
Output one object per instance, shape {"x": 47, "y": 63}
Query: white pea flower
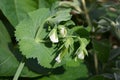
{"x": 58, "y": 58}
{"x": 81, "y": 55}
{"x": 62, "y": 30}
{"x": 53, "y": 36}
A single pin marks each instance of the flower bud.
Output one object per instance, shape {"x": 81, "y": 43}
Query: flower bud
{"x": 53, "y": 36}
{"x": 69, "y": 42}
{"x": 81, "y": 55}
{"x": 62, "y": 30}
{"x": 58, "y": 58}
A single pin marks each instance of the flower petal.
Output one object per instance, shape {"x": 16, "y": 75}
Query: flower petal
{"x": 63, "y": 30}
{"x": 53, "y": 36}
{"x": 81, "y": 55}
{"x": 58, "y": 58}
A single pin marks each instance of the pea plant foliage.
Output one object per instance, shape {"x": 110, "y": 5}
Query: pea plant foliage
{"x": 54, "y": 39}
{"x": 46, "y": 36}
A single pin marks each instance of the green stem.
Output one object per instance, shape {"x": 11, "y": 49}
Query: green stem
{"x": 86, "y": 13}
{"x": 90, "y": 24}
{"x": 96, "y": 62}
{"x": 18, "y": 72}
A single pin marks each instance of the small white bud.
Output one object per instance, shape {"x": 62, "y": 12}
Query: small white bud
{"x": 63, "y": 30}
{"x": 58, "y": 58}
{"x": 53, "y": 36}
{"x": 81, "y": 55}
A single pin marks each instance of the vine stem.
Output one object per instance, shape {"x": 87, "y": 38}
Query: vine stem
{"x": 96, "y": 62}
{"x": 19, "y": 70}
{"x": 90, "y": 24}
{"x": 86, "y": 13}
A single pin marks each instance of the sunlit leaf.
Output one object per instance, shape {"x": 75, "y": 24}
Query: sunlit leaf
{"x": 80, "y": 73}
{"x": 46, "y": 3}
{"x": 30, "y": 33}
{"x": 8, "y": 62}
{"x": 16, "y": 10}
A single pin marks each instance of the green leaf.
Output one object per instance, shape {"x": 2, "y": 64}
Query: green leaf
{"x": 30, "y": 33}
{"x": 4, "y": 34}
{"x": 72, "y": 63}
{"x": 16, "y": 10}
{"x": 114, "y": 53}
{"x": 81, "y": 31}
{"x": 61, "y": 15}
{"x": 117, "y": 27}
{"x": 69, "y": 23}
{"x": 98, "y": 77}
{"x": 102, "y": 49}
{"x": 75, "y": 4}
{"x": 71, "y": 73}
{"x": 8, "y": 62}
{"x": 46, "y": 3}
{"x": 117, "y": 76}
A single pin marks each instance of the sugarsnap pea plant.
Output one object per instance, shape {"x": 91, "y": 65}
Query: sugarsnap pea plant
{"x": 54, "y": 39}
{"x": 50, "y": 36}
